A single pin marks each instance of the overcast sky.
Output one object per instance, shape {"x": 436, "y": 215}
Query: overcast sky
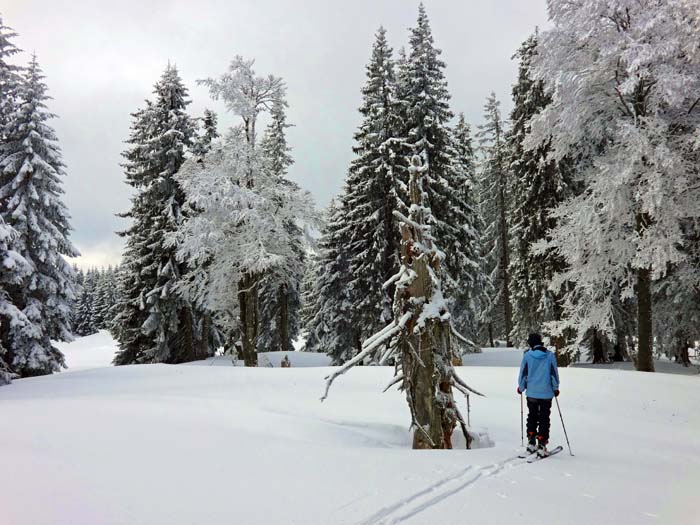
{"x": 101, "y": 59}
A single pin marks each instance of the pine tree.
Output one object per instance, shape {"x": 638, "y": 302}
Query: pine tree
{"x": 539, "y": 186}
{"x": 328, "y": 309}
{"x": 30, "y": 202}
{"x": 86, "y": 321}
{"x": 425, "y": 112}
{"x": 10, "y": 77}
{"x": 471, "y": 298}
{"x": 280, "y": 295}
{"x": 209, "y": 134}
{"x": 372, "y": 192}
{"x": 14, "y": 270}
{"x": 494, "y": 205}
{"x": 161, "y": 135}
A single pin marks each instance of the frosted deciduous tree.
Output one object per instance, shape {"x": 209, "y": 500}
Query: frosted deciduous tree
{"x": 241, "y": 228}
{"x": 634, "y": 117}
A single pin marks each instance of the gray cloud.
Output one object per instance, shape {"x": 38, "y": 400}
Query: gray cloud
{"x": 101, "y": 59}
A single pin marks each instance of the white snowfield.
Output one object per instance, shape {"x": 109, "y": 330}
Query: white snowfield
{"x": 171, "y": 445}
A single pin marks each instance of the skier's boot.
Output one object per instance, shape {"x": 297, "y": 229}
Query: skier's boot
{"x": 531, "y": 443}
{"x": 542, "y": 447}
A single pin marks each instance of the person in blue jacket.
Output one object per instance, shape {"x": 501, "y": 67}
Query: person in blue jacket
{"x": 539, "y": 378}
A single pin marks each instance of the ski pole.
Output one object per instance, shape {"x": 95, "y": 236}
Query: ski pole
{"x": 522, "y": 428}
{"x": 563, "y": 426}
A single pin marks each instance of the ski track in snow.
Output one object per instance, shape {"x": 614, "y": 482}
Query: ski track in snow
{"x": 410, "y": 506}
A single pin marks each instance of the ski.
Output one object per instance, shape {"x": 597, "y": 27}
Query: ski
{"x": 555, "y": 450}
{"x": 525, "y": 455}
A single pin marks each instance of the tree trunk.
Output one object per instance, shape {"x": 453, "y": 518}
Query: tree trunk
{"x": 248, "y": 302}
{"x": 283, "y": 299}
{"x": 427, "y": 390}
{"x": 426, "y": 352}
{"x": 645, "y": 356}
{"x": 187, "y": 352}
{"x": 204, "y": 336}
{"x": 505, "y": 262}
{"x": 598, "y": 347}
{"x": 682, "y": 351}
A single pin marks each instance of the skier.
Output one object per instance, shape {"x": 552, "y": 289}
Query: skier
{"x": 540, "y": 378}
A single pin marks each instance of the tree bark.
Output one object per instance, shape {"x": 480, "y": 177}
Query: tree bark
{"x": 204, "y": 336}
{"x": 645, "y": 356}
{"x": 283, "y": 298}
{"x": 505, "y": 262}
{"x": 248, "y": 303}
{"x": 599, "y": 348}
{"x": 187, "y": 351}
{"x": 426, "y": 352}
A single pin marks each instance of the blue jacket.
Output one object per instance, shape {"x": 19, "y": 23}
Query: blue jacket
{"x": 538, "y": 373}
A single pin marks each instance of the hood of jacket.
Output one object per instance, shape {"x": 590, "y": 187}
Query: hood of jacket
{"x": 538, "y": 352}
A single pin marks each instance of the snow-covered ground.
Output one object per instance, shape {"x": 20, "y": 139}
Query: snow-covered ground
{"x": 92, "y": 351}
{"x": 170, "y": 445}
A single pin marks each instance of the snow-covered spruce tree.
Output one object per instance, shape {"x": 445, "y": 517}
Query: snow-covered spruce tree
{"x": 31, "y": 170}
{"x": 241, "y": 227}
{"x": 104, "y": 299}
{"x": 635, "y": 116}
{"x": 280, "y": 292}
{"x": 208, "y": 134}
{"x": 421, "y": 333}
{"x": 327, "y": 306}
{"x": 494, "y": 204}
{"x": 425, "y": 115}
{"x": 472, "y": 298}
{"x": 372, "y": 191}
{"x": 159, "y": 325}
{"x": 78, "y": 290}
{"x": 13, "y": 271}
{"x": 86, "y": 322}
{"x": 10, "y": 77}
{"x": 539, "y": 185}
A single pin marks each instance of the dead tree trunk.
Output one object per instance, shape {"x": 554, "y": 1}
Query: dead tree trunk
{"x": 421, "y": 334}
{"x": 425, "y": 349}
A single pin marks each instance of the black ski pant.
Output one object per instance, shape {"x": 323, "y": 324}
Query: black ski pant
{"x": 538, "y": 411}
